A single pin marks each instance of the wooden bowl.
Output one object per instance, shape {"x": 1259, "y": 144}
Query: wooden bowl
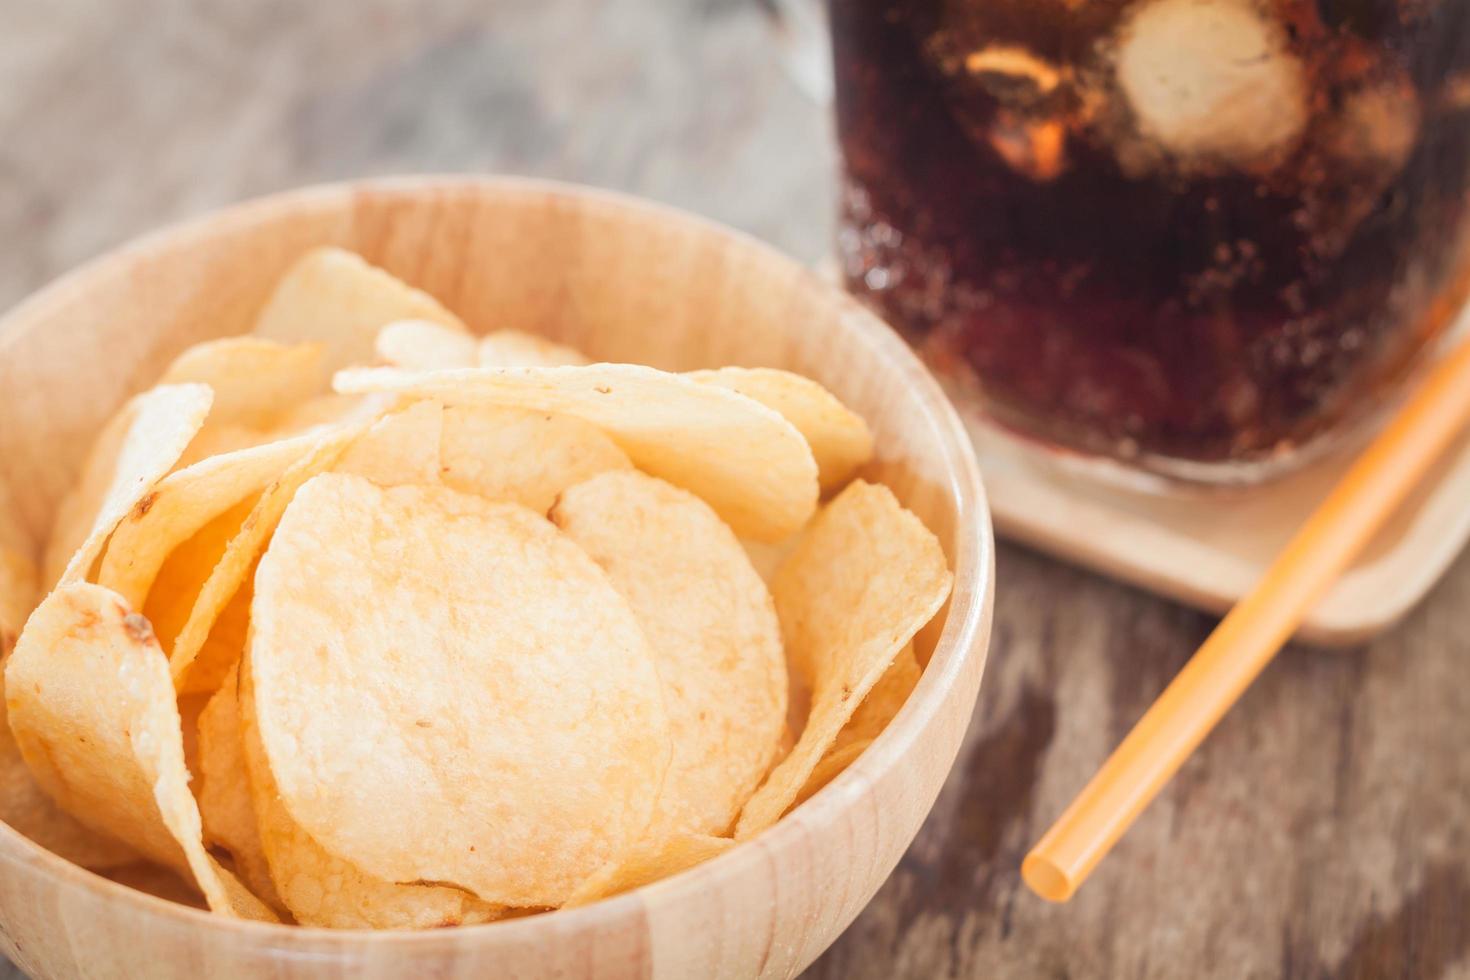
{"x": 626, "y": 282}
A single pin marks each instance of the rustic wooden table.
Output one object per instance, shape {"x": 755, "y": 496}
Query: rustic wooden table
{"x": 1324, "y": 831}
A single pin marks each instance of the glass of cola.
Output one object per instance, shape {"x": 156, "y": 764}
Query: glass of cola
{"x": 1202, "y": 238}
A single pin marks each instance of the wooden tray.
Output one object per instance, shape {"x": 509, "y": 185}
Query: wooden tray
{"x": 1207, "y": 549}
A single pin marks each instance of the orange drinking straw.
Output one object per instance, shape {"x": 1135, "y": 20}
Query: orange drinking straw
{"x": 1247, "y": 638}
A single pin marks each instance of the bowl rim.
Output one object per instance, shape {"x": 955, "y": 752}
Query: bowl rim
{"x": 963, "y": 638}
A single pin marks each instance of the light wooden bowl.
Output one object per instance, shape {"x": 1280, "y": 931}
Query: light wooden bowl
{"x": 626, "y": 282}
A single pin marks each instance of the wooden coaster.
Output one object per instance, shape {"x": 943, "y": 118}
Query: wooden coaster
{"x": 1208, "y": 548}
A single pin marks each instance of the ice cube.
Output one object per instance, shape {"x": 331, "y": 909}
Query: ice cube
{"x": 1211, "y": 81}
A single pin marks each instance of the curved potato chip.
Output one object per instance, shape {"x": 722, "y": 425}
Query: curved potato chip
{"x": 323, "y": 890}
{"x": 831, "y": 766}
{"x": 185, "y": 501}
{"x": 399, "y": 448}
{"x": 649, "y": 863}
{"x": 331, "y": 410}
{"x": 746, "y": 461}
{"x": 422, "y": 345}
{"x": 863, "y": 579}
{"x": 224, "y": 794}
{"x": 767, "y": 556}
{"x": 22, "y": 804}
{"x": 216, "y": 440}
{"x": 315, "y": 415}
{"x": 31, "y": 812}
{"x": 333, "y": 297}
{"x": 882, "y": 702}
{"x": 220, "y": 591}
{"x": 839, "y": 437}
{"x": 787, "y": 743}
{"x": 190, "y": 708}
{"x": 204, "y": 640}
{"x": 93, "y": 712}
{"x": 254, "y": 379}
{"x": 223, "y": 645}
{"x": 513, "y": 348}
{"x": 388, "y": 625}
{"x": 139, "y": 445}
{"x": 712, "y": 627}
{"x": 522, "y": 456}
{"x": 176, "y": 587}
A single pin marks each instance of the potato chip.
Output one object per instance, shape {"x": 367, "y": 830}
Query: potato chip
{"x": 422, "y": 345}
{"x": 712, "y": 628}
{"x": 254, "y": 379}
{"x": 333, "y": 410}
{"x": 22, "y": 803}
{"x": 184, "y": 502}
{"x": 332, "y": 297}
{"x": 321, "y": 889}
{"x": 223, "y": 645}
{"x": 176, "y": 586}
{"x": 220, "y": 591}
{"x": 462, "y": 665}
{"x": 767, "y": 556}
{"x": 93, "y": 712}
{"x": 512, "y": 348}
{"x": 522, "y": 456}
{"x": 190, "y": 708}
{"x": 216, "y": 440}
{"x": 864, "y": 578}
{"x": 798, "y": 706}
{"x": 882, "y": 702}
{"x": 34, "y": 815}
{"x": 832, "y": 765}
{"x": 158, "y": 881}
{"x": 25, "y": 807}
{"x": 649, "y": 863}
{"x": 839, "y": 437}
{"x": 868, "y": 721}
{"x": 225, "y": 802}
{"x": 402, "y": 447}
{"x": 746, "y": 461}
{"x": 141, "y": 443}
{"x": 787, "y": 743}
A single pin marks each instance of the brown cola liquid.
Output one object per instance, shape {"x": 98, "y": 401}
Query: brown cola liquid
{"x": 1032, "y": 195}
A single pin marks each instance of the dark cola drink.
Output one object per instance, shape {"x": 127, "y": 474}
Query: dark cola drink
{"x": 1196, "y": 235}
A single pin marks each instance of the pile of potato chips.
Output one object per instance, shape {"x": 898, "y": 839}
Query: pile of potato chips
{"x": 475, "y": 634}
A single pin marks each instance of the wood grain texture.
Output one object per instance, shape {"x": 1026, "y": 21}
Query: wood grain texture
{"x": 1209, "y": 552}
{"x": 1324, "y": 830}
